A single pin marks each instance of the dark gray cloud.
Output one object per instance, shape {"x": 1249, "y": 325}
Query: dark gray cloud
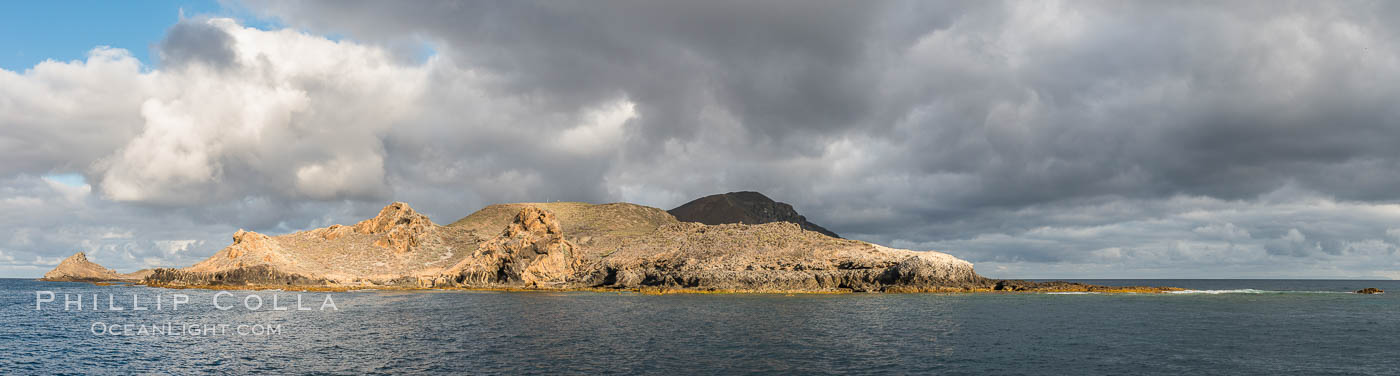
{"x": 1041, "y": 102}
{"x": 1038, "y": 139}
{"x": 193, "y": 41}
{"x": 953, "y": 119}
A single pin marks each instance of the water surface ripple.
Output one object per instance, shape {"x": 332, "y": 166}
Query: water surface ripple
{"x": 1225, "y": 327}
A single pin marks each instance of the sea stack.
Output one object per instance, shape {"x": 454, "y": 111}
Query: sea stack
{"x": 77, "y": 268}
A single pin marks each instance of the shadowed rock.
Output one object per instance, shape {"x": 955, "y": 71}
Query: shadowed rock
{"x": 742, "y": 207}
{"x": 259, "y": 275}
{"x": 1008, "y": 285}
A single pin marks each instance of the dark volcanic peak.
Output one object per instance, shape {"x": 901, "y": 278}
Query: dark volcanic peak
{"x": 742, "y": 207}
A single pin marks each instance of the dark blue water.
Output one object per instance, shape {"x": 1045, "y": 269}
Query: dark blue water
{"x": 1259, "y": 327}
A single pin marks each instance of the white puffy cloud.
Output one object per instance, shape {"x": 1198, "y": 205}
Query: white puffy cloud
{"x": 600, "y": 133}
{"x": 277, "y": 131}
{"x": 64, "y": 115}
{"x": 290, "y": 115}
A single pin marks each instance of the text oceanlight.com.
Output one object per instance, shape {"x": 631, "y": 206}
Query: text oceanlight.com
{"x": 183, "y": 329}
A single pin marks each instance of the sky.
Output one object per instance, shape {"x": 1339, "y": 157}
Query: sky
{"x": 1036, "y": 139}
{"x": 67, "y": 30}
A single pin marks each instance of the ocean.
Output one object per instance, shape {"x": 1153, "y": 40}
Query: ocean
{"x": 1229, "y": 327}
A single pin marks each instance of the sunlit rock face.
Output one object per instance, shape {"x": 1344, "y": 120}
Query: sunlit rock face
{"x": 398, "y": 227}
{"x": 531, "y": 251}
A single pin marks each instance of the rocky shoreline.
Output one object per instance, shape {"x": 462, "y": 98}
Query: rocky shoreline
{"x": 993, "y": 286}
{"x": 664, "y": 290}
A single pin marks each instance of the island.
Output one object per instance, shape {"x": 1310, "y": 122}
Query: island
{"x": 739, "y": 242}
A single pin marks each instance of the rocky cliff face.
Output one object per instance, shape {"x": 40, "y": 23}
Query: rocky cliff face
{"x": 742, "y": 207}
{"x": 77, "y": 268}
{"x": 531, "y": 252}
{"x": 777, "y": 257}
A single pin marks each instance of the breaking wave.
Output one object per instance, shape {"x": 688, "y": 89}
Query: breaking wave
{"x": 1254, "y": 291}
{"x": 1235, "y": 291}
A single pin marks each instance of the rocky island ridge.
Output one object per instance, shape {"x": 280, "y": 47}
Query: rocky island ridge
{"x": 578, "y": 246}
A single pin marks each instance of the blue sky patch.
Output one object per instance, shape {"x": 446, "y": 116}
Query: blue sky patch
{"x": 66, "y": 30}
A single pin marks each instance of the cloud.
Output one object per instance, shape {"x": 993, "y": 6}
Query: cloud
{"x": 1226, "y": 231}
{"x": 64, "y": 115}
{"x": 1037, "y": 139}
{"x": 600, "y": 133}
{"x": 1189, "y": 237}
{"x": 1028, "y": 102}
{"x": 194, "y": 42}
{"x": 171, "y": 247}
{"x": 295, "y": 131}
{"x": 287, "y": 115}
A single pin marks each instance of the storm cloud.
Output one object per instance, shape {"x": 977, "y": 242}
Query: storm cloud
{"x": 1035, "y": 139}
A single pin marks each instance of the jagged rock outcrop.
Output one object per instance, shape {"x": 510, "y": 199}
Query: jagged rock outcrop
{"x": 77, "y": 268}
{"x": 333, "y": 232}
{"x": 531, "y": 252}
{"x": 398, "y": 227}
{"x": 742, "y": 207}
